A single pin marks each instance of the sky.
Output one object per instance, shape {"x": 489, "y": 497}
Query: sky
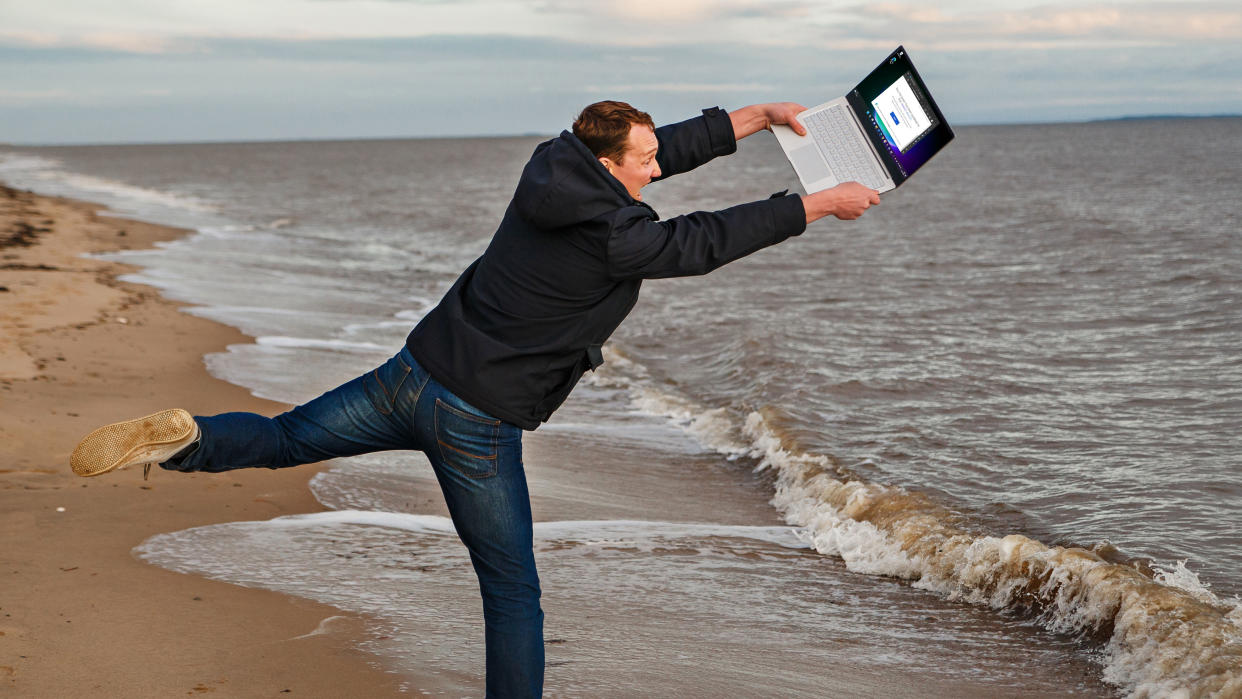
{"x": 138, "y": 71}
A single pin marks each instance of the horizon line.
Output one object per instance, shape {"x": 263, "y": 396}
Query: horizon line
{"x": 534, "y": 134}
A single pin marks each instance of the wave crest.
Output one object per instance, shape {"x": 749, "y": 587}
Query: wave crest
{"x": 1163, "y": 632}
{"x": 1162, "y": 640}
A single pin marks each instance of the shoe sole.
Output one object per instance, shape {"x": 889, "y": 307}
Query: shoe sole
{"x": 141, "y": 440}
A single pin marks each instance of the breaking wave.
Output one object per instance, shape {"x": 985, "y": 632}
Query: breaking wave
{"x": 1163, "y": 632}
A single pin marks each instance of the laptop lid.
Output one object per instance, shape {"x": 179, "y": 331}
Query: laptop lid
{"x": 899, "y": 116}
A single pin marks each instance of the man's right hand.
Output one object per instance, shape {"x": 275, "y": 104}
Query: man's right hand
{"x": 847, "y": 201}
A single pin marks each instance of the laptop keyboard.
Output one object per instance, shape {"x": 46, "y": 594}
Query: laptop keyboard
{"x": 837, "y": 136}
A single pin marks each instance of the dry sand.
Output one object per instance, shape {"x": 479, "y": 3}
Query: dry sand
{"x": 79, "y": 615}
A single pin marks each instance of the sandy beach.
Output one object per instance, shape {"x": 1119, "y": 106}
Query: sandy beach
{"x": 81, "y": 616}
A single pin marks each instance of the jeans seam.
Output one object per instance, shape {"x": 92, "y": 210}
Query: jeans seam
{"x": 387, "y": 408}
{"x": 419, "y": 393}
{"x": 390, "y": 397}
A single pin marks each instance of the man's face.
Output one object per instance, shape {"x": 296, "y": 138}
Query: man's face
{"x": 638, "y": 165}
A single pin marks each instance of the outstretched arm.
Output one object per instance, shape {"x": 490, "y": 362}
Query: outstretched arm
{"x": 757, "y": 117}
{"x": 641, "y": 247}
{"x": 688, "y": 144}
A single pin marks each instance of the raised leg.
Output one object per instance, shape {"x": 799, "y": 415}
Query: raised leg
{"x": 358, "y": 417}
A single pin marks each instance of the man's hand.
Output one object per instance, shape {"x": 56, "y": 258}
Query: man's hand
{"x": 847, "y": 201}
{"x": 756, "y": 117}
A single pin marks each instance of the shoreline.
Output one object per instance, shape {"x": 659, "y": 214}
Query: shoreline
{"x": 79, "y": 614}
{"x": 145, "y": 355}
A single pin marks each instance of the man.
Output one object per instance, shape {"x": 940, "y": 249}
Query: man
{"x": 507, "y": 344}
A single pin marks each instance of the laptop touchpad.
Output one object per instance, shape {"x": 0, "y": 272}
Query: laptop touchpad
{"x": 809, "y": 163}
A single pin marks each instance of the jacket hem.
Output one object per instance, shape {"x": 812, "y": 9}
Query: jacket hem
{"x": 465, "y": 393}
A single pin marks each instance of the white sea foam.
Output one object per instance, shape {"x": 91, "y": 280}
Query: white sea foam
{"x": 1167, "y": 636}
{"x": 47, "y": 174}
{"x": 324, "y": 627}
{"x": 416, "y": 314}
{"x": 226, "y": 231}
{"x": 315, "y": 343}
{"x": 225, "y": 310}
{"x": 402, "y": 319}
{"x": 21, "y": 165}
{"x": 587, "y": 532}
{"x": 100, "y": 185}
{"x": 712, "y": 429}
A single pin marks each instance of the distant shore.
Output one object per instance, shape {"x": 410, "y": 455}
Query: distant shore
{"x": 1160, "y": 117}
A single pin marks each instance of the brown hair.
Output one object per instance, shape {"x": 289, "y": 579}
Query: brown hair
{"x": 604, "y": 127}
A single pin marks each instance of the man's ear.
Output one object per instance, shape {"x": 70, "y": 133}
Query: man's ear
{"x": 607, "y": 163}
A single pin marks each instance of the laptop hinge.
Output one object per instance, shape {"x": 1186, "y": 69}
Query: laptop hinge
{"x": 890, "y": 170}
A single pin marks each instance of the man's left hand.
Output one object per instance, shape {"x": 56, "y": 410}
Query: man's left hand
{"x": 757, "y": 117}
{"x": 784, "y": 113}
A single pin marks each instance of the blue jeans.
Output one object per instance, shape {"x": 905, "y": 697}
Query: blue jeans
{"x": 477, "y": 460}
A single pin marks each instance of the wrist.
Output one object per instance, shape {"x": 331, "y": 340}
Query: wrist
{"x": 820, "y": 204}
{"x": 813, "y": 208}
{"x": 748, "y": 120}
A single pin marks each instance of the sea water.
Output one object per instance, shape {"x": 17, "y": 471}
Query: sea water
{"x": 991, "y": 426}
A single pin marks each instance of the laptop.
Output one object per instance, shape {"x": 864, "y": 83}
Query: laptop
{"x": 879, "y": 134}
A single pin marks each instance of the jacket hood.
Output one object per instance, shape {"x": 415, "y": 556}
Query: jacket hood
{"x": 564, "y": 184}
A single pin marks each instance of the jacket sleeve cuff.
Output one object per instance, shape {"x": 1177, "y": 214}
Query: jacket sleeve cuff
{"x": 719, "y": 131}
{"x": 788, "y": 216}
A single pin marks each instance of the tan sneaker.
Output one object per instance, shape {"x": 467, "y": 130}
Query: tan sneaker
{"x": 146, "y": 440}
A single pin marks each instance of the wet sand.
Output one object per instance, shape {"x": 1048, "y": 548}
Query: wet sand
{"x": 79, "y": 615}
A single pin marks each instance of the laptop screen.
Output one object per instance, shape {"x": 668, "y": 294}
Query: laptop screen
{"x": 903, "y": 116}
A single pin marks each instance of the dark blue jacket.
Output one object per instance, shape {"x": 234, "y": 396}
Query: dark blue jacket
{"x": 527, "y": 319}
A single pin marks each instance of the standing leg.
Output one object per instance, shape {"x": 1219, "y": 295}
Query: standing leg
{"x": 478, "y": 462}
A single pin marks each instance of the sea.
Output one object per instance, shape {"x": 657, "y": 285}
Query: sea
{"x": 984, "y": 441}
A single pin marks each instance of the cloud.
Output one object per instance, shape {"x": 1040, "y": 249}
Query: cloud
{"x": 115, "y": 42}
{"x": 676, "y": 12}
{"x": 29, "y": 96}
{"x": 710, "y": 88}
{"x": 1129, "y": 24}
{"x": 438, "y": 48}
{"x": 844, "y": 25}
{"x": 1153, "y": 21}
{"x": 655, "y": 14}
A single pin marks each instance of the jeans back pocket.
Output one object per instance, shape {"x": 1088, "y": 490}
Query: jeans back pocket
{"x": 467, "y": 443}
